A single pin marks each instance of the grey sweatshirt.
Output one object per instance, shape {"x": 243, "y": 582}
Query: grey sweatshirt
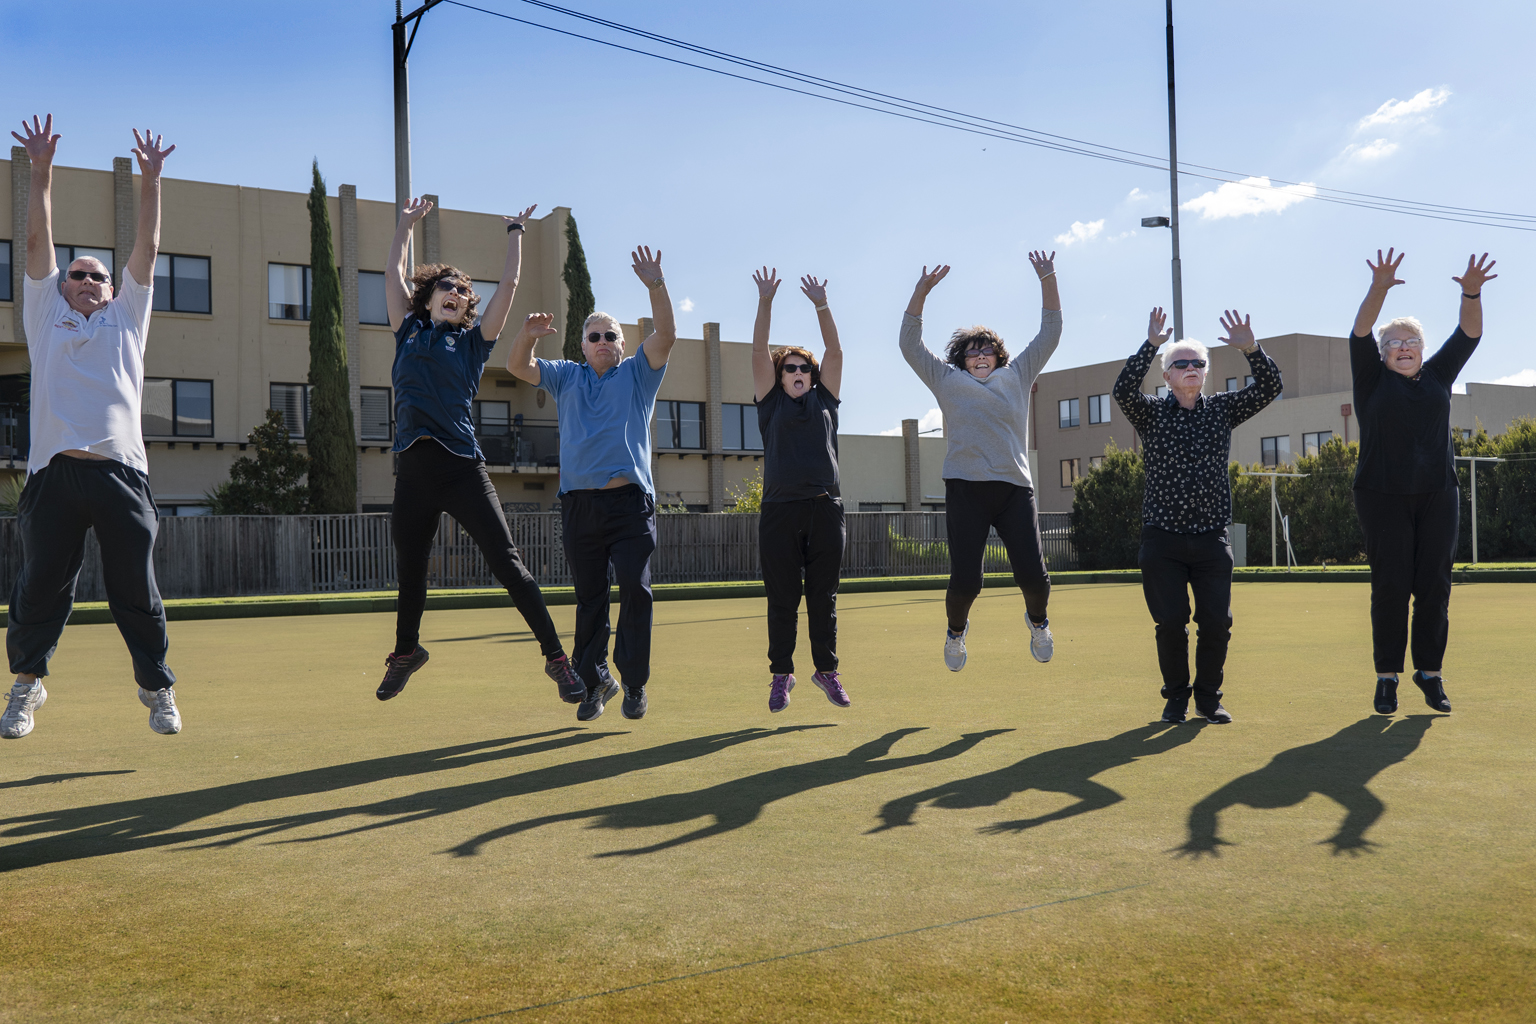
{"x": 986, "y": 422}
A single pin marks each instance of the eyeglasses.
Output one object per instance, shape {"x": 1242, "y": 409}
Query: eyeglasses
{"x": 445, "y": 285}
{"x": 1393, "y": 343}
{"x": 1184, "y": 364}
{"x": 608, "y": 336}
{"x": 94, "y": 275}
{"x": 977, "y": 353}
{"x": 797, "y": 367}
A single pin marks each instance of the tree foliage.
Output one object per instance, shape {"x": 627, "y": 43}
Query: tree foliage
{"x": 578, "y": 283}
{"x": 272, "y": 484}
{"x": 1106, "y": 511}
{"x": 330, "y": 433}
{"x": 749, "y": 496}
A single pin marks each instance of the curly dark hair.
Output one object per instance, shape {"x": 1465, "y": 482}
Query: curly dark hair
{"x": 978, "y": 335}
{"x": 780, "y": 354}
{"x": 424, "y": 283}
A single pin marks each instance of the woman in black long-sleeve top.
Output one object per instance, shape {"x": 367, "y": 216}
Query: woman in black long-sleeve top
{"x": 1405, "y": 485}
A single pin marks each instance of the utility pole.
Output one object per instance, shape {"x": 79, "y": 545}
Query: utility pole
{"x": 403, "y": 111}
{"x": 1173, "y": 184}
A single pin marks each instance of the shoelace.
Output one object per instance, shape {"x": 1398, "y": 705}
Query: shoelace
{"x": 18, "y": 699}
{"x": 779, "y": 684}
{"x": 165, "y": 700}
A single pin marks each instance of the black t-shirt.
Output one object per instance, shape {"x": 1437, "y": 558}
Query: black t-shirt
{"x": 1405, "y": 423}
{"x": 799, "y": 444}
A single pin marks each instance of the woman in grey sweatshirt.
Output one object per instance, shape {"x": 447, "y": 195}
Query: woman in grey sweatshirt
{"x": 984, "y": 396}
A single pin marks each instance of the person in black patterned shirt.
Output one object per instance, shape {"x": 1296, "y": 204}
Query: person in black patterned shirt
{"x": 1186, "y": 442}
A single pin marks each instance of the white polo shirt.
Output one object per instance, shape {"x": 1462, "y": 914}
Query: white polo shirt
{"x": 87, "y": 373}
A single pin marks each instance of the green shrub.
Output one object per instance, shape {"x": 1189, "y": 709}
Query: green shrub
{"x": 1106, "y": 511}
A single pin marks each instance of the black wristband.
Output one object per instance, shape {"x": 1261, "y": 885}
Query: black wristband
{"x": 1466, "y": 296}
{"x": 514, "y": 227}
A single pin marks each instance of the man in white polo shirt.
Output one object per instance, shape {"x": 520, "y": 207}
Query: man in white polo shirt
{"x": 87, "y": 466}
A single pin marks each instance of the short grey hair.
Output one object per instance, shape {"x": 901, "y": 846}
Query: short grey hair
{"x": 1201, "y": 352}
{"x": 601, "y": 318}
{"x": 1411, "y": 323}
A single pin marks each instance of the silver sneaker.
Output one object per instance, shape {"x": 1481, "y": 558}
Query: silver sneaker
{"x": 1040, "y": 643}
{"x": 25, "y": 698}
{"x": 163, "y": 716}
{"x": 954, "y": 648}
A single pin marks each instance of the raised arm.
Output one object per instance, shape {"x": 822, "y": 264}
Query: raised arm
{"x": 495, "y": 316}
{"x": 40, "y": 143}
{"x": 1045, "y": 266}
{"x": 397, "y": 294}
{"x": 146, "y": 243}
{"x": 1383, "y": 279}
{"x": 520, "y": 361}
{"x": 928, "y": 367}
{"x": 832, "y": 358}
{"x": 1245, "y": 403}
{"x": 1032, "y": 360}
{"x": 1127, "y": 391}
{"x": 762, "y": 360}
{"x": 1472, "y": 281}
{"x": 658, "y": 347}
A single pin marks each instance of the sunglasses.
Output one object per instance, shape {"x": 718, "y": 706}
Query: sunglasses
{"x": 608, "y": 336}
{"x": 1184, "y": 364}
{"x": 797, "y": 367}
{"x": 94, "y": 275}
{"x": 445, "y": 285}
{"x": 977, "y": 353}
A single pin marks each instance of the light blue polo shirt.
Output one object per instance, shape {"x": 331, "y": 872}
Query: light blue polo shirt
{"x": 605, "y": 422}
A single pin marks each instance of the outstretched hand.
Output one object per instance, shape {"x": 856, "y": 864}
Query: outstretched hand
{"x": 767, "y": 283}
{"x": 414, "y": 210}
{"x": 150, "y": 156}
{"x": 1044, "y": 265}
{"x": 1155, "y": 333}
{"x": 40, "y": 142}
{"x": 1473, "y": 278}
{"x": 647, "y": 267}
{"x": 814, "y": 290}
{"x": 521, "y": 219}
{"x": 1239, "y": 333}
{"x": 1384, "y": 270}
{"x": 539, "y": 325}
{"x": 927, "y": 281}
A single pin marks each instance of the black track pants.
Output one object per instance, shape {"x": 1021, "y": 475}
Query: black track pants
{"x": 1173, "y": 565}
{"x": 801, "y": 544}
{"x": 1410, "y": 540}
{"x": 973, "y": 508}
{"x": 611, "y": 527}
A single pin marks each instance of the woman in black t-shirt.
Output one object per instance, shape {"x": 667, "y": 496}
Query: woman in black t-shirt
{"x": 801, "y": 526}
{"x": 1405, "y": 485}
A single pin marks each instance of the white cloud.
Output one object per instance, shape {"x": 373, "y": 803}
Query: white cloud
{"x": 1136, "y": 196}
{"x": 1523, "y": 379}
{"x": 1249, "y": 196}
{"x": 1409, "y": 111}
{"x": 686, "y": 305}
{"x": 933, "y": 419}
{"x": 1368, "y": 151}
{"x": 1080, "y": 232}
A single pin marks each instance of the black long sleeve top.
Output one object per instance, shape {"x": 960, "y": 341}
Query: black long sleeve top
{"x": 1185, "y": 451}
{"x": 1405, "y": 422}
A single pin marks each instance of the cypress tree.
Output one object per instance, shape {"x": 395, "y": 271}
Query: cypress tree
{"x": 578, "y": 281}
{"x": 332, "y": 454}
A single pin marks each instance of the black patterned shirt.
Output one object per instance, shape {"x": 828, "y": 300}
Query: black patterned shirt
{"x": 1185, "y": 451}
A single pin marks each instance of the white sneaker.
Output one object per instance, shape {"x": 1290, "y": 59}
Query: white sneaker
{"x": 25, "y": 698}
{"x": 1040, "y": 643}
{"x": 954, "y": 648}
{"x": 163, "y": 716}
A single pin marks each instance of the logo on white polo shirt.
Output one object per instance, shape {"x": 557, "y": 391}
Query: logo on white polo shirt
{"x": 68, "y": 324}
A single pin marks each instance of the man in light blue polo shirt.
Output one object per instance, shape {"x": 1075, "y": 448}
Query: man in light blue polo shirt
{"x": 607, "y": 499}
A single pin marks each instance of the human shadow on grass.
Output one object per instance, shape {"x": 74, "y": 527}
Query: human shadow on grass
{"x": 1339, "y": 767}
{"x": 1067, "y": 770}
{"x": 43, "y": 780}
{"x": 738, "y": 802}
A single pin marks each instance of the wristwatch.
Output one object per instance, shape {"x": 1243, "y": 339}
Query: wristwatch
{"x": 514, "y": 227}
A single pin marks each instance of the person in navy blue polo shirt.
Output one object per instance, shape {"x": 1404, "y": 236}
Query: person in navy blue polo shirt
{"x": 606, "y": 495}
{"x": 440, "y": 351}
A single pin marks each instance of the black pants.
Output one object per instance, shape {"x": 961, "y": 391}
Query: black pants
{"x": 1172, "y": 565}
{"x": 611, "y": 527}
{"x": 61, "y": 501}
{"x": 433, "y": 480}
{"x": 972, "y": 509}
{"x": 1410, "y": 540}
{"x": 798, "y": 539}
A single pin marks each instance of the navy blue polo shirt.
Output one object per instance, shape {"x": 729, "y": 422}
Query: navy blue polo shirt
{"x": 436, "y": 377}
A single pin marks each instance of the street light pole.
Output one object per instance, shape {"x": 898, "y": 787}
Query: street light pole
{"x": 1173, "y": 183}
{"x": 402, "y": 46}
{"x": 1472, "y": 461}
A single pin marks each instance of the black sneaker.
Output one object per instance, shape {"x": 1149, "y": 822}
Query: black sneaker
{"x": 592, "y": 706}
{"x": 1386, "y": 695}
{"x": 634, "y": 701}
{"x": 572, "y": 689}
{"x": 1177, "y": 709}
{"x": 1217, "y": 715}
{"x": 398, "y": 669}
{"x": 1434, "y": 691}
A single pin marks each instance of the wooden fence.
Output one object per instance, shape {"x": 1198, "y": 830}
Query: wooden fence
{"x": 227, "y": 556}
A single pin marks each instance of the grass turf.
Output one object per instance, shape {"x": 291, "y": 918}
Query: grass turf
{"x": 304, "y": 853}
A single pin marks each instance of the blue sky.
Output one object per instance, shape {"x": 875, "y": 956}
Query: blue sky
{"x": 1397, "y": 99}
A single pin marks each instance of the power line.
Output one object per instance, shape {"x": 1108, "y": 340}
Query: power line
{"x": 916, "y": 110}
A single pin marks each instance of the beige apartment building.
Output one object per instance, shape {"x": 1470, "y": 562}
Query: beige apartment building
{"x": 229, "y": 339}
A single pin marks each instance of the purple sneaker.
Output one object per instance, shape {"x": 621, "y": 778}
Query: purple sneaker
{"x": 778, "y": 692}
{"x": 830, "y": 686}
{"x": 572, "y": 689}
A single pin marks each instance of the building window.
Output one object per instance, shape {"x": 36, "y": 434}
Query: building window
{"x": 1098, "y": 408}
{"x": 5, "y": 272}
{"x": 371, "y": 308}
{"x": 1231, "y": 383}
{"x": 486, "y": 290}
{"x": 738, "y": 427}
{"x": 177, "y": 408}
{"x": 182, "y": 284}
{"x": 1070, "y": 471}
{"x": 289, "y": 290}
{"x": 493, "y": 418}
{"x": 67, "y": 254}
{"x": 292, "y": 400}
{"x": 1248, "y": 380}
{"x": 533, "y": 485}
{"x": 1311, "y": 443}
{"x": 1162, "y": 391}
{"x": 1465, "y": 433}
{"x": 680, "y": 424}
{"x": 1067, "y": 408}
{"x": 1275, "y": 451}
{"x": 377, "y": 410}
{"x": 1094, "y": 462}
{"x": 882, "y": 506}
